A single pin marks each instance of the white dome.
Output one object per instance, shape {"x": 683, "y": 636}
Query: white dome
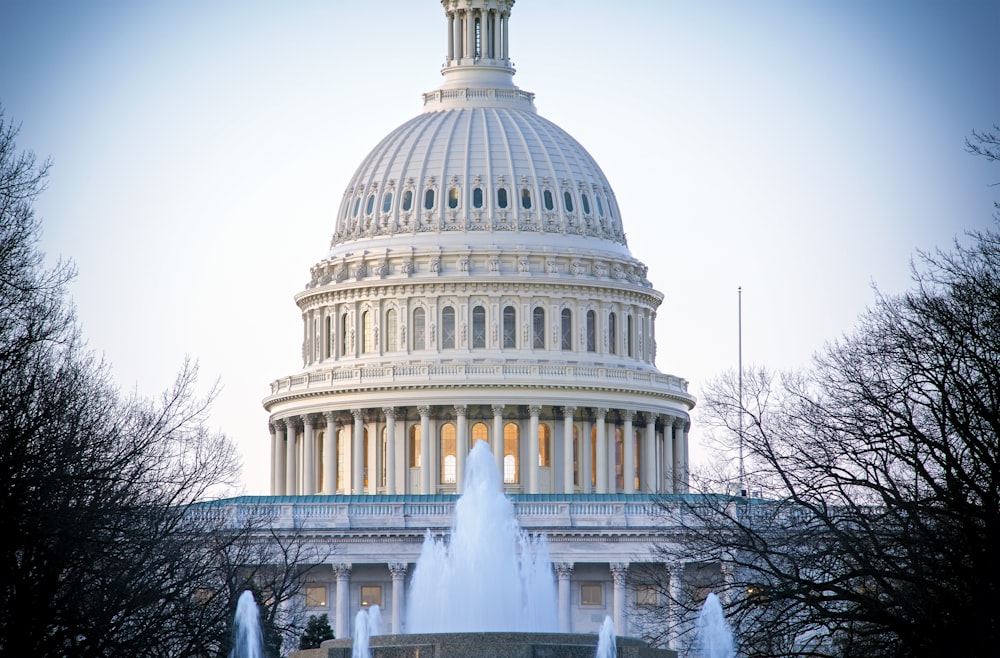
{"x": 479, "y": 166}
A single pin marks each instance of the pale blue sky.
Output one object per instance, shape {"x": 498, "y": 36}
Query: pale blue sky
{"x": 800, "y": 149}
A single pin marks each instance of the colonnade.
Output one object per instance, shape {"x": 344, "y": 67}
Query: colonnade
{"x": 475, "y": 33}
{"x": 422, "y": 449}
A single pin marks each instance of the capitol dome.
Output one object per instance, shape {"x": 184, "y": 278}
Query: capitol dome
{"x": 478, "y": 286}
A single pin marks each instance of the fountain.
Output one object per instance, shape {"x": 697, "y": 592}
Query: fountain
{"x": 606, "y": 646}
{"x": 247, "y": 638}
{"x": 713, "y": 637}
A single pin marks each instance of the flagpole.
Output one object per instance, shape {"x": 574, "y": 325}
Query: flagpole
{"x": 739, "y": 327}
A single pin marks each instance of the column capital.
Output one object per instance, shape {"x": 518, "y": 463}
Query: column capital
{"x": 398, "y": 570}
{"x": 331, "y": 416}
{"x": 311, "y": 420}
{"x": 424, "y": 410}
{"x": 497, "y": 410}
{"x": 534, "y": 409}
{"x": 619, "y": 570}
{"x": 341, "y": 571}
{"x": 461, "y": 409}
{"x": 600, "y": 413}
{"x": 293, "y": 423}
{"x": 628, "y": 415}
{"x": 563, "y": 570}
{"x": 272, "y": 429}
{"x": 358, "y": 414}
{"x": 569, "y": 411}
{"x": 390, "y": 412}
{"x": 651, "y": 416}
{"x": 278, "y": 424}
{"x": 676, "y": 569}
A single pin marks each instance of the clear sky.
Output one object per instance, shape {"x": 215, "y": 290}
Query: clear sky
{"x": 802, "y": 150}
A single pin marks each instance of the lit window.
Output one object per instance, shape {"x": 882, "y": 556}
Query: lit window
{"x": 370, "y": 206}
{"x": 415, "y": 446}
{"x": 419, "y": 328}
{"x": 547, "y": 200}
{"x": 480, "y": 433}
{"x": 509, "y": 327}
{"x": 526, "y": 199}
{"x": 477, "y": 197}
{"x": 448, "y": 460}
{"x": 544, "y": 445}
{"x": 502, "y": 198}
{"x": 591, "y": 594}
{"x": 453, "y": 197}
{"x": 315, "y": 596}
{"x": 586, "y": 203}
{"x": 478, "y": 327}
{"x": 566, "y": 329}
{"x": 568, "y": 201}
{"x": 371, "y": 595}
{"x": 646, "y": 595}
{"x": 387, "y": 202}
{"x": 511, "y": 439}
{"x": 538, "y": 329}
{"x": 407, "y": 200}
{"x": 429, "y": 199}
{"x": 448, "y": 328}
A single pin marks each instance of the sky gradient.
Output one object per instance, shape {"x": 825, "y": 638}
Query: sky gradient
{"x": 801, "y": 150}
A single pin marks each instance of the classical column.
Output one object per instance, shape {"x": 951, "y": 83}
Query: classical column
{"x": 675, "y": 615}
{"x": 563, "y": 572}
{"x": 274, "y": 457}
{"x": 498, "y": 437}
{"x": 628, "y": 452}
{"x": 506, "y": 39}
{"x": 568, "y": 449}
{"x": 279, "y": 458}
{"x": 342, "y": 616}
{"x": 308, "y": 456}
{"x": 648, "y": 478}
{"x": 686, "y": 461}
{"x": 398, "y": 572}
{"x": 451, "y": 37}
{"x": 373, "y": 458}
{"x": 679, "y": 470}
{"x": 330, "y": 454}
{"x": 390, "y": 450}
{"x": 358, "y": 453}
{"x": 667, "y": 477}
{"x": 533, "y": 471}
{"x": 291, "y": 469}
{"x": 601, "y": 468}
{"x": 425, "y": 444}
{"x": 619, "y": 570}
{"x": 495, "y": 52}
{"x": 461, "y": 444}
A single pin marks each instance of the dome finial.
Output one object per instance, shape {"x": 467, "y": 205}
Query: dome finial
{"x": 478, "y": 54}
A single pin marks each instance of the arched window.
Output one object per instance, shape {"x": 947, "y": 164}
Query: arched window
{"x": 407, "y": 200}
{"x": 600, "y": 206}
{"x": 538, "y": 328}
{"x": 509, "y": 327}
{"x": 387, "y": 202}
{"x": 544, "y": 445}
{"x": 612, "y": 332}
{"x": 344, "y": 334}
{"x": 429, "y": 200}
{"x": 342, "y": 440}
{"x": 526, "y": 198}
{"x": 547, "y": 200}
{"x": 448, "y": 328}
{"x": 357, "y": 205}
{"x": 453, "y": 198}
{"x": 391, "y": 331}
{"x": 568, "y": 201}
{"x": 449, "y": 462}
{"x": 414, "y": 447}
{"x": 619, "y": 458}
{"x": 477, "y": 197}
{"x": 330, "y": 346}
{"x": 511, "y": 450}
{"x": 480, "y": 432}
{"x": 566, "y": 329}
{"x": 419, "y": 329}
{"x": 367, "y": 333}
{"x": 370, "y": 206}
{"x": 576, "y": 456}
{"x": 593, "y": 456}
{"x": 502, "y": 197}
{"x": 586, "y": 203}
{"x": 383, "y": 446}
{"x": 638, "y": 458}
{"x": 364, "y": 452}
{"x": 628, "y": 335}
{"x": 478, "y": 327}
{"x": 591, "y": 331}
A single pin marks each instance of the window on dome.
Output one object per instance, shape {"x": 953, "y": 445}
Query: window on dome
{"x": 547, "y": 200}
{"x": 477, "y": 197}
{"x": 480, "y": 433}
{"x": 502, "y": 197}
{"x": 453, "y": 197}
{"x": 568, "y": 201}
{"x": 357, "y": 206}
{"x": 628, "y": 335}
{"x": 448, "y": 328}
{"x": 591, "y": 331}
{"x": 419, "y": 329}
{"x": 449, "y": 462}
{"x": 391, "y": 331}
{"x": 344, "y": 335}
{"x": 600, "y": 206}
{"x": 387, "y": 202}
{"x": 511, "y": 450}
{"x": 478, "y": 327}
{"x": 585, "y": 202}
{"x": 509, "y": 327}
{"x": 367, "y": 332}
{"x": 526, "y": 199}
{"x": 429, "y": 200}
{"x": 566, "y": 329}
{"x": 612, "y": 332}
{"x": 407, "y": 200}
{"x": 538, "y": 329}
{"x": 370, "y": 206}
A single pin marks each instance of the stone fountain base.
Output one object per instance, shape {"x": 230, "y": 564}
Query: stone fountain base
{"x": 485, "y": 645}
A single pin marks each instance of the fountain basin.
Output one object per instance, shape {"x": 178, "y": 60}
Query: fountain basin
{"x": 485, "y": 645}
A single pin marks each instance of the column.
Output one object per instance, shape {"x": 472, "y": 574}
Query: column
{"x": 601, "y": 468}
{"x": 390, "y": 450}
{"x": 586, "y": 468}
{"x": 308, "y": 456}
{"x": 330, "y": 454}
{"x": 274, "y": 456}
{"x": 619, "y": 570}
{"x": 506, "y": 40}
{"x": 425, "y": 453}
{"x": 649, "y": 478}
{"x": 461, "y": 444}
{"x": 678, "y": 455}
{"x": 342, "y": 616}
{"x": 667, "y": 477}
{"x": 451, "y": 37}
{"x": 628, "y": 452}
{"x": 685, "y": 462}
{"x": 675, "y": 615}
{"x": 563, "y": 572}
{"x": 568, "y": 449}
{"x": 495, "y": 52}
{"x": 498, "y": 437}
{"x": 456, "y": 34}
{"x": 398, "y": 572}
{"x": 373, "y": 459}
{"x": 533, "y": 474}
{"x": 290, "y": 466}
{"x": 279, "y": 458}
{"x": 358, "y": 453}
